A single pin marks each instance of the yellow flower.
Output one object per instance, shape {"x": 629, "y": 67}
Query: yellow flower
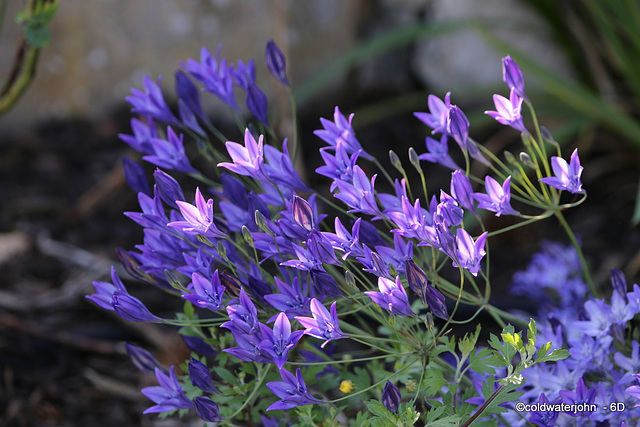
{"x": 347, "y": 386}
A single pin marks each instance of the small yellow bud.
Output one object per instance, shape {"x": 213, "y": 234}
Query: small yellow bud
{"x": 411, "y": 386}
{"x": 347, "y": 386}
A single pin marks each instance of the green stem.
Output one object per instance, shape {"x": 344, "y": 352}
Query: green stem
{"x": 261, "y": 378}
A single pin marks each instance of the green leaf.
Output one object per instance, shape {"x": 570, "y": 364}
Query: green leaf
{"x": 37, "y": 36}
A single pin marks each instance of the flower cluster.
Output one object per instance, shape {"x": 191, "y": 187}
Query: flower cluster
{"x": 271, "y": 286}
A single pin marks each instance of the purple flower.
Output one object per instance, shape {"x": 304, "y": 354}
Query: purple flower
{"x": 214, "y": 74}
{"x": 360, "y": 196}
{"x": 634, "y": 390}
{"x": 168, "y": 188}
{"x": 509, "y": 111}
{"x": 143, "y": 360}
{"x": 168, "y": 396}
{"x": 257, "y": 104}
{"x": 323, "y": 325}
{"x": 439, "y": 152}
{"x": 512, "y": 76}
{"x": 392, "y": 297}
{"x": 198, "y": 219}
{"x": 142, "y": 135}
{"x": 169, "y": 153}
{"x": 338, "y": 167}
{"x": 207, "y": 409}
{"x": 462, "y": 191}
{"x": 567, "y": 174}
{"x": 247, "y": 160}
{"x": 276, "y": 344}
{"x": 243, "y": 316}
{"x": 498, "y": 198}
{"x": 188, "y": 94}
{"x": 200, "y": 376}
{"x": 469, "y": 253}
{"x": 391, "y": 397}
{"x": 581, "y": 396}
{"x": 458, "y": 126}
{"x": 206, "y": 293}
{"x": 248, "y": 345}
{"x": 280, "y": 170}
{"x": 302, "y": 213}
{"x": 341, "y": 131}
{"x": 292, "y": 391}
{"x": 544, "y": 418}
{"x": 151, "y": 102}
{"x": 276, "y": 62}
{"x": 135, "y": 176}
{"x": 292, "y": 299}
{"x": 436, "y": 118}
{"x": 344, "y": 241}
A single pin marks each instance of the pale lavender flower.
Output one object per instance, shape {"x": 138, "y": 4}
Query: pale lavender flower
{"x": 567, "y": 175}
{"x": 206, "y": 293}
{"x": 469, "y": 253}
{"x": 277, "y": 343}
{"x": 391, "y": 397}
{"x": 512, "y": 76}
{"x": 248, "y": 159}
{"x": 392, "y": 297}
{"x": 509, "y": 111}
{"x": 323, "y": 325}
{"x": 498, "y": 198}
{"x": 169, "y": 395}
{"x": 436, "y": 118}
{"x": 341, "y": 131}
{"x": 198, "y": 218}
{"x": 346, "y": 242}
{"x": 292, "y": 391}
{"x": 276, "y": 62}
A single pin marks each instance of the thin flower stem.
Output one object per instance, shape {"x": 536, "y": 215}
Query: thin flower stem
{"x": 262, "y": 374}
{"x": 483, "y": 407}
{"x": 345, "y": 361}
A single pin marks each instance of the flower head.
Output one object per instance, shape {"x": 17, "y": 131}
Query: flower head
{"x": 277, "y": 343}
{"x": 567, "y": 175}
{"x": 512, "y": 76}
{"x": 169, "y": 395}
{"x": 469, "y": 253}
{"x": 276, "y": 62}
{"x": 292, "y": 391}
{"x": 198, "y": 218}
{"x": 498, "y": 198}
{"x": 436, "y": 118}
{"x": 206, "y": 293}
{"x": 247, "y": 160}
{"x": 392, "y": 297}
{"x": 391, "y": 397}
{"x": 323, "y": 325}
{"x": 341, "y": 131}
{"x": 508, "y": 111}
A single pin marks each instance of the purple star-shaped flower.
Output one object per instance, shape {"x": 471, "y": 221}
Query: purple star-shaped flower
{"x": 509, "y": 111}
{"x": 323, "y": 325}
{"x": 392, "y": 297}
{"x": 248, "y": 159}
{"x": 469, "y": 253}
{"x": 277, "y": 343}
{"x": 292, "y": 391}
{"x": 438, "y": 152}
{"x": 169, "y": 395}
{"x": 436, "y": 118}
{"x": 198, "y": 219}
{"x": 498, "y": 198}
{"x": 567, "y": 174}
{"x": 243, "y": 316}
{"x": 151, "y": 102}
{"x": 341, "y": 131}
{"x": 360, "y": 196}
{"x": 206, "y": 293}
{"x": 581, "y": 396}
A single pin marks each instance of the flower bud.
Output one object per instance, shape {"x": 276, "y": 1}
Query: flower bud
{"x": 302, "y": 213}
{"x": 391, "y": 397}
{"x": 512, "y": 76}
{"x": 619, "y": 282}
{"x": 207, "y": 409}
{"x": 200, "y": 376}
{"x": 458, "y": 126}
{"x": 347, "y": 386}
{"x": 276, "y": 62}
{"x": 143, "y": 360}
{"x": 411, "y": 386}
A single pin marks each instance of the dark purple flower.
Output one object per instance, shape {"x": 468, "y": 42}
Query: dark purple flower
{"x": 188, "y": 94}
{"x": 544, "y": 418}
{"x": 142, "y": 135}
{"x": 257, "y": 104}
{"x": 168, "y": 188}
{"x": 509, "y": 111}
{"x": 169, "y": 395}
{"x": 413, "y": 221}
{"x": 447, "y": 211}
{"x": 392, "y": 297}
{"x": 277, "y": 343}
{"x": 151, "y": 102}
{"x": 292, "y": 299}
{"x": 581, "y": 397}
{"x": 135, "y": 176}
{"x": 207, "y": 409}
{"x": 373, "y": 263}
{"x": 391, "y": 397}
{"x": 498, "y": 198}
{"x": 438, "y": 152}
{"x": 458, "y": 126}
{"x": 276, "y": 62}
{"x": 436, "y": 118}
{"x": 280, "y": 169}
{"x": 320, "y": 248}
{"x": 198, "y": 345}
{"x": 198, "y": 218}
{"x": 341, "y": 131}
{"x": 248, "y": 345}
{"x": 619, "y": 282}
{"x": 200, "y": 376}
{"x": 512, "y": 76}
{"x": 292, "y": 391}
{"x": 206, "y": 293}
{"x": 143, "y": 360}
{"x": 323, "y": 325}
{"x": 436, "y": 302}
{"x": 417, "y": 278}
{"x": 469, "y": 253}
{"x": 567, "y": 174}
{"x": 131, "y": 308}
{"x": 248, "y": 159}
